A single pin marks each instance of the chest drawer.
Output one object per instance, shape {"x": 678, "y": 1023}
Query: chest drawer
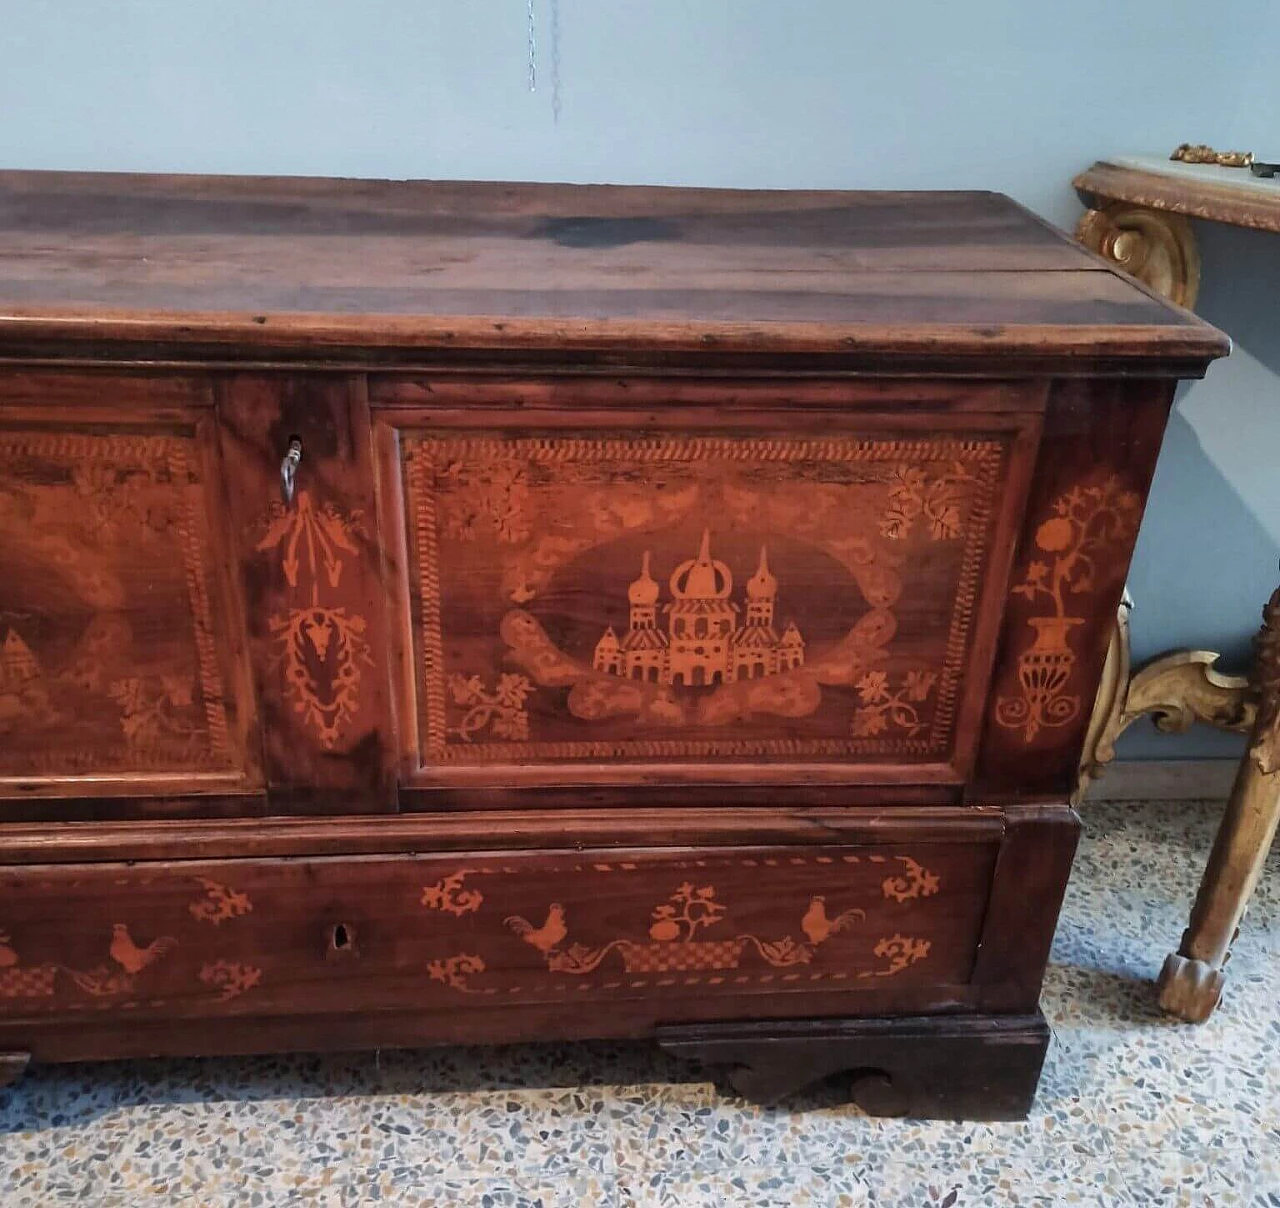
{"x": 662, "y": 934}
{"x": 745, "y": 591}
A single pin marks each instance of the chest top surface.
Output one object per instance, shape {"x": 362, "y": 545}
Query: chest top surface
{"x": 303, "y": 267}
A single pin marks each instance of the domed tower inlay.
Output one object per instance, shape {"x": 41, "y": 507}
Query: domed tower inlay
{"x": 703, "y": 642}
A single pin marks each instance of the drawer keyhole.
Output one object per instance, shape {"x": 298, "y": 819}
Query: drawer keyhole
{"x": 342, "y": 940}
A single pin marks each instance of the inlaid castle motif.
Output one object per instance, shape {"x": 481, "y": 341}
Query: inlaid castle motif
{"x": 23, "y": 685}
{"x": 705, "y": 641}
{"x": 18, "y": 665}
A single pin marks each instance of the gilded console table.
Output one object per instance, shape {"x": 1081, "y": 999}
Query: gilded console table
{"x": 1139, "y": 218}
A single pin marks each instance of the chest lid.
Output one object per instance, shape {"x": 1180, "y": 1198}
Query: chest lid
{"x": 226, "y": 268}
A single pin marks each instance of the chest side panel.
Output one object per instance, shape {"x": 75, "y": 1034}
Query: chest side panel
{"x": 803, "y": 591}
{"x": 120, "y": 671}
{"x": 1098, "y": 455}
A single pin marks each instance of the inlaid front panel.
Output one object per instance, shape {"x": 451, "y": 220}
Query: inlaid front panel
{"x": 116, "y": 656}
{"x": 777, "y": 597}
{"x": 456, "y": 933}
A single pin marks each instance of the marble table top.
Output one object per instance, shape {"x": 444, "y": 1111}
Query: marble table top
{"x": 1229, "y": 195}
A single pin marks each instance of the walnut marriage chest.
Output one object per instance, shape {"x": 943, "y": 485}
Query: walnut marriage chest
{"x": 440, "y": 612}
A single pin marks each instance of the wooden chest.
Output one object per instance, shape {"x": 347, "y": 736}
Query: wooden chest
{"x": 448, "y": 612}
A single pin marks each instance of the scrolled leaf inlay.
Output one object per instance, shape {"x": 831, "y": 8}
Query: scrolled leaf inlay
{"x": 449, "y": 895}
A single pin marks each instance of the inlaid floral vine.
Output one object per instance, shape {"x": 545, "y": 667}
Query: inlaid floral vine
{"x": 1088, "y": 524}
{"x": 321, "y": 644}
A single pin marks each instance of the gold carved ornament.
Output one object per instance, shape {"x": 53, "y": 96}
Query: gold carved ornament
{"x": 1264, "y": 683}
{"x": 1191, "y": 980}
{"x": 1175, "y": 690}
{"x": 322, "y": 647}
{"x": 1202, "y": 153}
{"x": 1088, "y": 524}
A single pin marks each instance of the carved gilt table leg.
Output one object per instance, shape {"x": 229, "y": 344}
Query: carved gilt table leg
{"x": 1175, "y": 690}
{"x": 1191, "y": 980}
{"x": 1182, "y": 687}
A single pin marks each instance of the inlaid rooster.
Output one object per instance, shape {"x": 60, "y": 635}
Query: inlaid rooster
{"x": 130, "y": 957}
{"x": 546, "y": 937}
{"x": 819, "y": 927}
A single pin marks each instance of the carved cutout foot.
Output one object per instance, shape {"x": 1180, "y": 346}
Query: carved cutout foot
{"x": 874, "y": 1091}
{"x": 1189, "y": 989}
{"x": 929, "y": 1067}
{"x": 12, "y": 1067}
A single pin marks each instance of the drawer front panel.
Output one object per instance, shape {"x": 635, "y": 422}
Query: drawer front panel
{"x": 849, "y": 928}
{"x": 120, "y": 671}
{"x": 803, "y": 598}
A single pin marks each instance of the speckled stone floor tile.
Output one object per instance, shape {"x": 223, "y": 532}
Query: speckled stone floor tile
{"x": 522, "y": 1131}
{"x": 691, "y": 1126}
{"x": 1132, "y": 1109}
{"x": 987, "y": 1180}
{"x": 758, "y": 1186}
{"x": 480, "y": 1191}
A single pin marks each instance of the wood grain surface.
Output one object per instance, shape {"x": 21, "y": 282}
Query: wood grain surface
{"x": 275, "y": 267}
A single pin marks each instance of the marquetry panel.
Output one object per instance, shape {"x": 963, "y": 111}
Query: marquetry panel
{"x": 314, "y": 596}
{"x": 118, "y": 658}
{"x": 773, "y": 597}
{"x": 451, "y": 933}
{"x": 1080, "y": 527}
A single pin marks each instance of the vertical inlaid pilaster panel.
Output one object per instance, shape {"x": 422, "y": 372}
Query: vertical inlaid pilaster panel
{"x": 310, "y": 567}
{"x": 1098, "y": 455}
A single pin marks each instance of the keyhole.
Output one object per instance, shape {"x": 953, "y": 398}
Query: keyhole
{"x": 342, "y": 940}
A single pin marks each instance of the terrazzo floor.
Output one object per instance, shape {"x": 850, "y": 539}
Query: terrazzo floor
{"x": 1132, "y": 1108}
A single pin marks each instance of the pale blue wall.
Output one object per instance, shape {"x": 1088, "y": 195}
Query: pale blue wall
{"x": 1015, "y": 95}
